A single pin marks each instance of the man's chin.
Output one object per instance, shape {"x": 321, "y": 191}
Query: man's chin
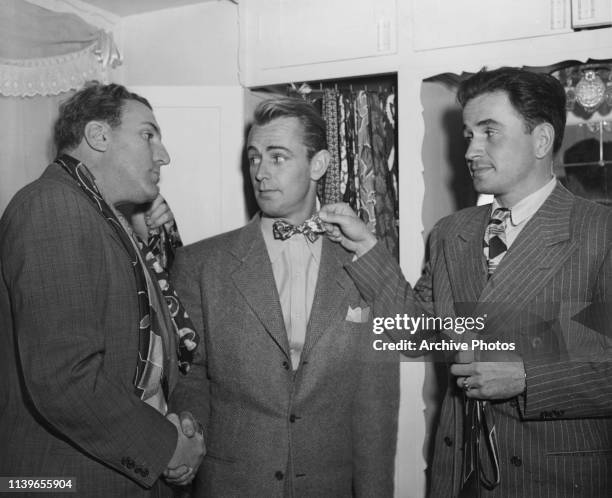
{"x": 271, "y": 214}
{"x": 149, "y": 196}
{"x": 268, "y": 208}
{"x": 482, "y": 187}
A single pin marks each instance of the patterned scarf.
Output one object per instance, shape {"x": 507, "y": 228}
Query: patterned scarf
{"x": 149, "y": 322}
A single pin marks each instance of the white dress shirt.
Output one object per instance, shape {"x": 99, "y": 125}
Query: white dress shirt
{"x": 524, "y": 209}
{"x": 295, "y": 265}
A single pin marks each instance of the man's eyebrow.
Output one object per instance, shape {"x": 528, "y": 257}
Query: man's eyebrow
{"x": 481, "y": 123}
{"x": 269, "y": 148}
{"x": 278, "y": 147}
{"x": 153, "y": 125}
{"x": 487, "y": 122}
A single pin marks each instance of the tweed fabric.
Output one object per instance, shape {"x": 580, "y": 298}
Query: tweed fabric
{"x": 327, "y": 429}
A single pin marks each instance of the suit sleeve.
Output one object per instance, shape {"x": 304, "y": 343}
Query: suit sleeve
{"x": 192, "y": 392}
{"x": 381, "y": 283}
{"x": 572, "y": 389}
{"x": 53, "y": 262}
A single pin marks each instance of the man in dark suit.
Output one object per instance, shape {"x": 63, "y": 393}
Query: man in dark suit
{"x": 292, "y": 403}
{"x": 536, "y": 266}
{"x": 89, "y": 352}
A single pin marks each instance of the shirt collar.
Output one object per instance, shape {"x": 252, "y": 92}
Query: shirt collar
{"x": 276, "y": 247}
{"x": 527, "y": 207}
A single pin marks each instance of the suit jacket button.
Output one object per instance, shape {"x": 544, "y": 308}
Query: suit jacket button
{"x": 536, "y": 342}
{"x": 279, "y": 475}
{"x": 516, "y": 461}
{"x": 129, "y": 463}
{"x": 292, "y": 418}
{"x": 286, "y": 365}
{"x": 144, "y": 472}
{"x": 448, "y": 441}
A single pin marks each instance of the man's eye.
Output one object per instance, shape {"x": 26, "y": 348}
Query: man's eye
{"x": 254, "y": 161}
{"x": 148, "y": 135}
{"x": 489, "y": 132}
{"x": 278, "y": 159}
{"x": 468, "y": 138}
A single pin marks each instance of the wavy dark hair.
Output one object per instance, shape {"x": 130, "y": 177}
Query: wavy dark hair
{"x": 537, "y": 97}
{"x": 94, "y": 102}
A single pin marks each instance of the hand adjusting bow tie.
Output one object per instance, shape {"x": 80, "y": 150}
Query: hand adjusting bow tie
{"x": 311, "y": 229}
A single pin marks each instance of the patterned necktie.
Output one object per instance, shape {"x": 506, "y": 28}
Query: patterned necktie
{"x": 311, "y": 229}
{"x": 480, "y": 451}
{"x": 495, "y": 246}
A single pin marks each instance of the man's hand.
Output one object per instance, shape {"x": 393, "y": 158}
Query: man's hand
{"x": 344, "y": 226}
{"x": 190, "y": 449}
{"x": 158, "y": 214}
{"x": 146, "y": 217}
{"x": 501, "y": 378}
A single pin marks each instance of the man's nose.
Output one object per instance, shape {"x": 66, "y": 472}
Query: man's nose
{"x": 161, "y": 155}
{"x": 262, "y": 170}
{"x": 474, "y": 149}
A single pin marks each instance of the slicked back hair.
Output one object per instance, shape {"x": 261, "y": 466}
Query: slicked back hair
{"x": 290, "y": 107}
{"x": 94, "y": 102}
{"x": 537, "y": 97}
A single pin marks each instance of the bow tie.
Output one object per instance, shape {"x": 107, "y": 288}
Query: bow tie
{"x": 311, "y": 229}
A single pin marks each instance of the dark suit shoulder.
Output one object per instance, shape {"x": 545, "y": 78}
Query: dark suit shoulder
{"x": 587, "y": 208}
{"x": 53, "y": 195}
{"x": 590, "y": 219}
{"x": 458, "y": 220}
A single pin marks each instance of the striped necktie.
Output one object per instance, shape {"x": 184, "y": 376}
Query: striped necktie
{"x": 495, "y": 246}
{"x": 481, "y": 467}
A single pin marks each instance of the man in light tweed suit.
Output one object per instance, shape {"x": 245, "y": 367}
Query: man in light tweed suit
{"x": 292, "y": 404}
{"x": 545, "y": 286}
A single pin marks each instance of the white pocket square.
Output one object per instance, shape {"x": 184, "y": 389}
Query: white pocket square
{"x": 358, "y": 314}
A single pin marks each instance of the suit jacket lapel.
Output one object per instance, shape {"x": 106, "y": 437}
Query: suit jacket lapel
{"x": 255, "y": 281}
{"x": 536, "y": 254}
{"x": 327, "y": 307}
{"x": 466, "y": 263}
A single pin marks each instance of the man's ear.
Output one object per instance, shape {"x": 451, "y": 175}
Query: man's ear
{"x": 318, "y": 164}
{"x": 96, "y": 135}
{"x": 544, "y": 137}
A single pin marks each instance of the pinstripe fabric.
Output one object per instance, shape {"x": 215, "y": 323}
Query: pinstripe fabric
{"x": 327, "y": 429}
{"x": 69, "y": 322}
{"x": 555, "y": 440}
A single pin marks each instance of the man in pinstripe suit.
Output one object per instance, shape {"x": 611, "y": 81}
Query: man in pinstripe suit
{"x": 80, "y": 311}
{"x": 550, "y": 400}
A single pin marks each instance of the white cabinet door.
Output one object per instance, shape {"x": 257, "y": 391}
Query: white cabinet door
{"x": 283, "y": 34}
{"x": 447, "y": 23}
{"x": 202, "y": 128}
{"x": 590, "y": 13}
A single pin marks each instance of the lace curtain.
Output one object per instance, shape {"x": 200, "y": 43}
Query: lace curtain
{"x": 44, "y": 55}
{"x": 47, "y": 53}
